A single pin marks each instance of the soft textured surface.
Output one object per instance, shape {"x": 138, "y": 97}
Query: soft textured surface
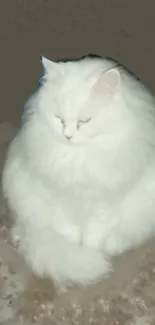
{"x": 127, "y": 297}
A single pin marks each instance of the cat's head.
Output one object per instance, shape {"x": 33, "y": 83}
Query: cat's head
{"x": 79, "y": 98}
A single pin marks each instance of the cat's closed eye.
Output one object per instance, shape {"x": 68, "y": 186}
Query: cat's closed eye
{"x": 81, "y": 122}
{"x": 61, "y": 119}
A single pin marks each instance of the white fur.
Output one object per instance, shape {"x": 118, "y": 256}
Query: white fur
{"x": 80, "y": 174}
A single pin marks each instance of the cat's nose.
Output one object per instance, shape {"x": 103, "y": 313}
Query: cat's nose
{"x": 68, "y": 137}
{"x": 68, "y": 132}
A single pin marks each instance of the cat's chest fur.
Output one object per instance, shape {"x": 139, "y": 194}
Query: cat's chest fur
{"x": 89, "y": 172}
{"x": 82, "y": 182}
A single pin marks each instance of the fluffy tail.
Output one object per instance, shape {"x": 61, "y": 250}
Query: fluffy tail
{"x": 52, "y": 255}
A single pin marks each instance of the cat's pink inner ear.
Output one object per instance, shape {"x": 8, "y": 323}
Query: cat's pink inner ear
{"x": 109, "y": 82}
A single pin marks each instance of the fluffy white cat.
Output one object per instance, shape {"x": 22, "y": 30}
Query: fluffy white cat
{"x": 80, "y": 174}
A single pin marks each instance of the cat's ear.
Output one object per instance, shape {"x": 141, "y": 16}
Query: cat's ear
{"x": 51, "y": 68}
{"x": 48, "y": 64}
{"x": 108, "y": 83}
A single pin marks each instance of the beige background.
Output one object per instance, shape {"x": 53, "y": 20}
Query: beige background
{"x": 122, "y": 29}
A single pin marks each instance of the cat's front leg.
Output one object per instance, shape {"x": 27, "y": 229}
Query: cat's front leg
{"x": 62, "y": 225}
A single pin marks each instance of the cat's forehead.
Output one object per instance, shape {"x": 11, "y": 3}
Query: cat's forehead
{"x": 72, "y": 87}
{"x": 70, "y": 73}
{"x": 73, "y": 104}
{"x": 81, "y": 71}
{"x": 74, "y": 83}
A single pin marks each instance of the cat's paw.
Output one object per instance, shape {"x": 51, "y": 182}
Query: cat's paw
{"x": 115, "y": 246}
